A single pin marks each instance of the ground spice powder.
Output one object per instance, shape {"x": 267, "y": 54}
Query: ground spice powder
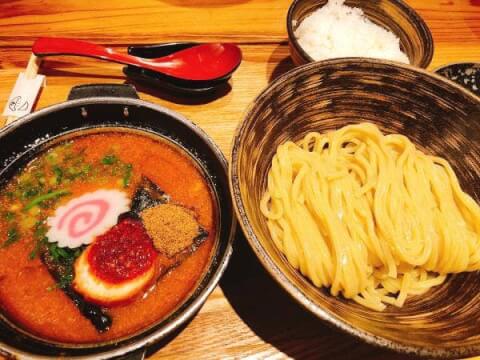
{"x": 172, "y": 228}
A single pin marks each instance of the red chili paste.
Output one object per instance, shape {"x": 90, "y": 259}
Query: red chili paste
{"x": 122, "y": 253}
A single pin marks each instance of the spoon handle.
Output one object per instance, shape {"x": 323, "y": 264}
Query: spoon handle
{"x": 46, "y": 46}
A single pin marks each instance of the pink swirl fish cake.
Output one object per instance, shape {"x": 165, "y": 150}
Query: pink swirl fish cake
{"x": 82, "y": 219}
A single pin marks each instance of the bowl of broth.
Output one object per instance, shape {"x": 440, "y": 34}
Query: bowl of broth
{"x": 116, "y": 225}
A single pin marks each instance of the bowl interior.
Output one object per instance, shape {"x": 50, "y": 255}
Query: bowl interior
{"x": 415, "y": 37}
{"x": 325, "y": 96}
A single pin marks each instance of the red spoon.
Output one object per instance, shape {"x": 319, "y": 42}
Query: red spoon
{"x": 202, "y": 62}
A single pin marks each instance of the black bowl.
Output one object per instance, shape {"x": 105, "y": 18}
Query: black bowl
{"x": 117, "y": 106}
{"x": 465, "y": 74}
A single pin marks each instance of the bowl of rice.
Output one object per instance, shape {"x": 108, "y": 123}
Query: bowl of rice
{"x": 389, "y": 29}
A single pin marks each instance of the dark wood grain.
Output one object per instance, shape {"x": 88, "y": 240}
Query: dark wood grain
{"x": 253, "y": 21}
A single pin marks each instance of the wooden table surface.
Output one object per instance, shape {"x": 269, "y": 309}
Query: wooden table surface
{"x": 247, "y": 315}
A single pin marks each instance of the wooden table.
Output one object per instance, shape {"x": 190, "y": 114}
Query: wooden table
{"x": 248, "y": 315}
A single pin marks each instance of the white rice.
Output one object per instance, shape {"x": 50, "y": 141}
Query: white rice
{"x": 336, "y": 30}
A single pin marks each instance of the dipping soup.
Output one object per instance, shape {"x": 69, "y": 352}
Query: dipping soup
{"x": 72, "y": 224}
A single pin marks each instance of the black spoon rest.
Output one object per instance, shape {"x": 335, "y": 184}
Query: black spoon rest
{"x": 156, "y": 79}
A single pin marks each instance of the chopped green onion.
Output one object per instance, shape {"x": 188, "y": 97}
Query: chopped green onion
{"x": 30, "y": 192}
{"x": 109, "y": 160}
{"x": 52, "y": 158}
{"x": 58, "y": 174}
{"x": 9, "y": 216}
{"x": 12, "y": 236}
{"x": 66, "y": 254}
{"x": 52, "y": 249}
{"x": 128, "y": 175}
{"x": 39, "y": 199}
{"x": 40, "y": 230}
{"x": 36, "y": 249}
{"x": 86, "y": 169}
{"x": 63, "y": 253}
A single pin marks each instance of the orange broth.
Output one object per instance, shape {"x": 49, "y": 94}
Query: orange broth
{"x": 26, "y": 294}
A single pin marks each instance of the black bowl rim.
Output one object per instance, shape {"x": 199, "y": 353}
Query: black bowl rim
{"x": 224, "y": 258}
{"x": 456, "y": 63}
{"x": 265, "y": 258}
{"x": 423, "y": 27}
{"x": 443, "y": 67}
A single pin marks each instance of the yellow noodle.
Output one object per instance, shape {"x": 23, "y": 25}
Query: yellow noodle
{"x": 370, "y": 216}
